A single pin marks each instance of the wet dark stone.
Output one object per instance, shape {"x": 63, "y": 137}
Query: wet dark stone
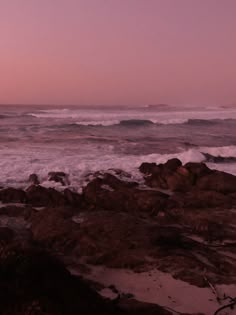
{"x": 39, "y": 196}
{"x": 11, "y": 195}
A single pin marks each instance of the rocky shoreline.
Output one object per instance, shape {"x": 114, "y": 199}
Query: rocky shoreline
{"x": 181, "y": 223}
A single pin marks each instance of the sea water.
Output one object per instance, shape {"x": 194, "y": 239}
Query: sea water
{"x": 83, "y": 140}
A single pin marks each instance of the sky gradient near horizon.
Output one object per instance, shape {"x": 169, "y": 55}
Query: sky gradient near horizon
{"x": 118, "y": 52}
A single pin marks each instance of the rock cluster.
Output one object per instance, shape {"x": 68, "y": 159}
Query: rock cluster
{"x": 177, "y": 177}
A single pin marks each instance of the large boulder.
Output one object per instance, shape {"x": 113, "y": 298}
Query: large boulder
{"x": 147, "y": 201}
{"x": 169, "y": 176}
{"x": 72, "y": 198}
{"x": 179, "y": 180}
{"x": 156, "y": 180}
{"x": 12, "y": 195}
{"x": 114, "y": 239}
{"x": 122, "y": 196}
{"x": 197, "y": 170}
{"x": 150, "y": 168}
{"x": 16, "y": 211}
{"x": 53, "y": 228}
{"x": 39, "y": 196}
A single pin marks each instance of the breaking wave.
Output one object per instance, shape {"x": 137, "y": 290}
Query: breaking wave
{"x": 149, "y": 122}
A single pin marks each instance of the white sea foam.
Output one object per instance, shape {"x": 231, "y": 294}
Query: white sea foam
{"x": 17, "y": 165}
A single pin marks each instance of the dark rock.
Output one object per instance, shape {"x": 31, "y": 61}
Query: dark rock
{"x": 116, "y": 233}
{"x": 147, "y": 201}
{"x": 218, "y": 181}
{"x": 53, "y": 228}
{"x": 180, "y": 180}
{"x": 41, "y": 196}
{"x": 16, "y": 211}
{"x": 116, "y": 183}
{"x": 169, "y": 176}
{"x": 200, "y": 199}
{"x": 172, "y": 176}
{"x": 72, "y": 198}
{"x": 33, "y": 179}
{"x": 122, "y": 197}
{"x": 173, "y": 164}
{"x": 156, "y": 180}
{"x": 198, "y": 169}
{"x": 11, "y": 195}
{"x": 59, "y": 177}
{"x": 12, "y": 240}
{"x": 150, "y": 168}
{"x": 170, "y": 238}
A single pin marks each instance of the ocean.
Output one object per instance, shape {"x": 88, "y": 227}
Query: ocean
{"x": 82, "y": 140}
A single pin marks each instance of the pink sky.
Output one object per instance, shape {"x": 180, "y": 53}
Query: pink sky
{"x": 118, "y": 51}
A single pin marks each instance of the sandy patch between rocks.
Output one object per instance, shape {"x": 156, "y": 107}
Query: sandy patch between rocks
{"x": 162, "y": 289}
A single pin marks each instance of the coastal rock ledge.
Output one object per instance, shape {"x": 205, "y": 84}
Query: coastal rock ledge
{"x": 56, "y": 245}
